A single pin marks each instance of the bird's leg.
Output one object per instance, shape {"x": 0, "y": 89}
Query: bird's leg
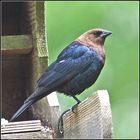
{"x": 60, "y": 120}
{"x": 78, "y": 101}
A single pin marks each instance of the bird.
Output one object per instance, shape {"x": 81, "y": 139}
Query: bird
{"x": 75, "y": 69}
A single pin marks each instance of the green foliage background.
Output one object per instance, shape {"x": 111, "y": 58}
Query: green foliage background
{"x": 65, "y": 21}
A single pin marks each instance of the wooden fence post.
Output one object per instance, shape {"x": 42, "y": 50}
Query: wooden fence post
{"x": 92, "y": 119}
{"x": 37, "y": 61}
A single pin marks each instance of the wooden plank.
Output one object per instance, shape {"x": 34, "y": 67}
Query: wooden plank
{"x": 40, "y": 33}
{"x": 16, "y": 44}
{"x": 28, "y": 135}
{"x": 25, "y": 130}
{"x": 92, "y": 119}
{"x": 38, "y": 60}
{"x": 22, "y": 126}
{"x": 55, "y": 114}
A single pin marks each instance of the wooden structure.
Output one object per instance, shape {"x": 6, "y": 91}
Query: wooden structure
{"x": 24, "y": 58}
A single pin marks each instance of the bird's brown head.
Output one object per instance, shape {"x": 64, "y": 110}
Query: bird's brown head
{"x": 94, "y": 37}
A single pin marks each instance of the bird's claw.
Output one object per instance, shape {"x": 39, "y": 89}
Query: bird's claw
{"x": 73, "y": 107}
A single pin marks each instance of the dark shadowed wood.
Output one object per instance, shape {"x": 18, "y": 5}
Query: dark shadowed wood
{"x": 29, "y": 54}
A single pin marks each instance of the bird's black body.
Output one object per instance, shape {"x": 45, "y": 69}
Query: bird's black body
{"x": 84, "y": 63}
{"x": 75, "y": 69}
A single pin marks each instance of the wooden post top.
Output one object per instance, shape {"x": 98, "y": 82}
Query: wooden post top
{"x": 92, "y": 119}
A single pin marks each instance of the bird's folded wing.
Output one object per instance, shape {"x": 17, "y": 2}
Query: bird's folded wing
{"x": 62, "y": 71}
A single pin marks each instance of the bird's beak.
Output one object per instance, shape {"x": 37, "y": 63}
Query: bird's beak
{"x": 105, "y": 34}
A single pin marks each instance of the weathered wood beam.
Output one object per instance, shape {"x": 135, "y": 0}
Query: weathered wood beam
{"x": 25, "y": 130}
{"x": 38, "y": 60}
{"x": 16, "y": 44}
{"x": 92, "y": 118}
{"x": 21, "y": 126}
{"x": 28, "y": 135}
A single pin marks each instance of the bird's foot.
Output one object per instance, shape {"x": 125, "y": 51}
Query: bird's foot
{"x": 60, "y": 120}
{"x": 73, "y": 107}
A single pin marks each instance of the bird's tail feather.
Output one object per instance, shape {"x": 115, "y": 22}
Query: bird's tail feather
{"x": 38, "y": 94}
{"x": 24, "y": 107}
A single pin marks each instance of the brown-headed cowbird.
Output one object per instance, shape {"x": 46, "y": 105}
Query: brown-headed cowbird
{"x": 76, "y": 68}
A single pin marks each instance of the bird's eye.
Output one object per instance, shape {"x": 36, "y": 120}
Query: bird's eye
{"x": 97, "y": 33}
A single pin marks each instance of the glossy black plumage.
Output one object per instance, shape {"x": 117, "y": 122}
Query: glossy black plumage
{"x": 75, "y": 69}
{"x": 86, "y": 64}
